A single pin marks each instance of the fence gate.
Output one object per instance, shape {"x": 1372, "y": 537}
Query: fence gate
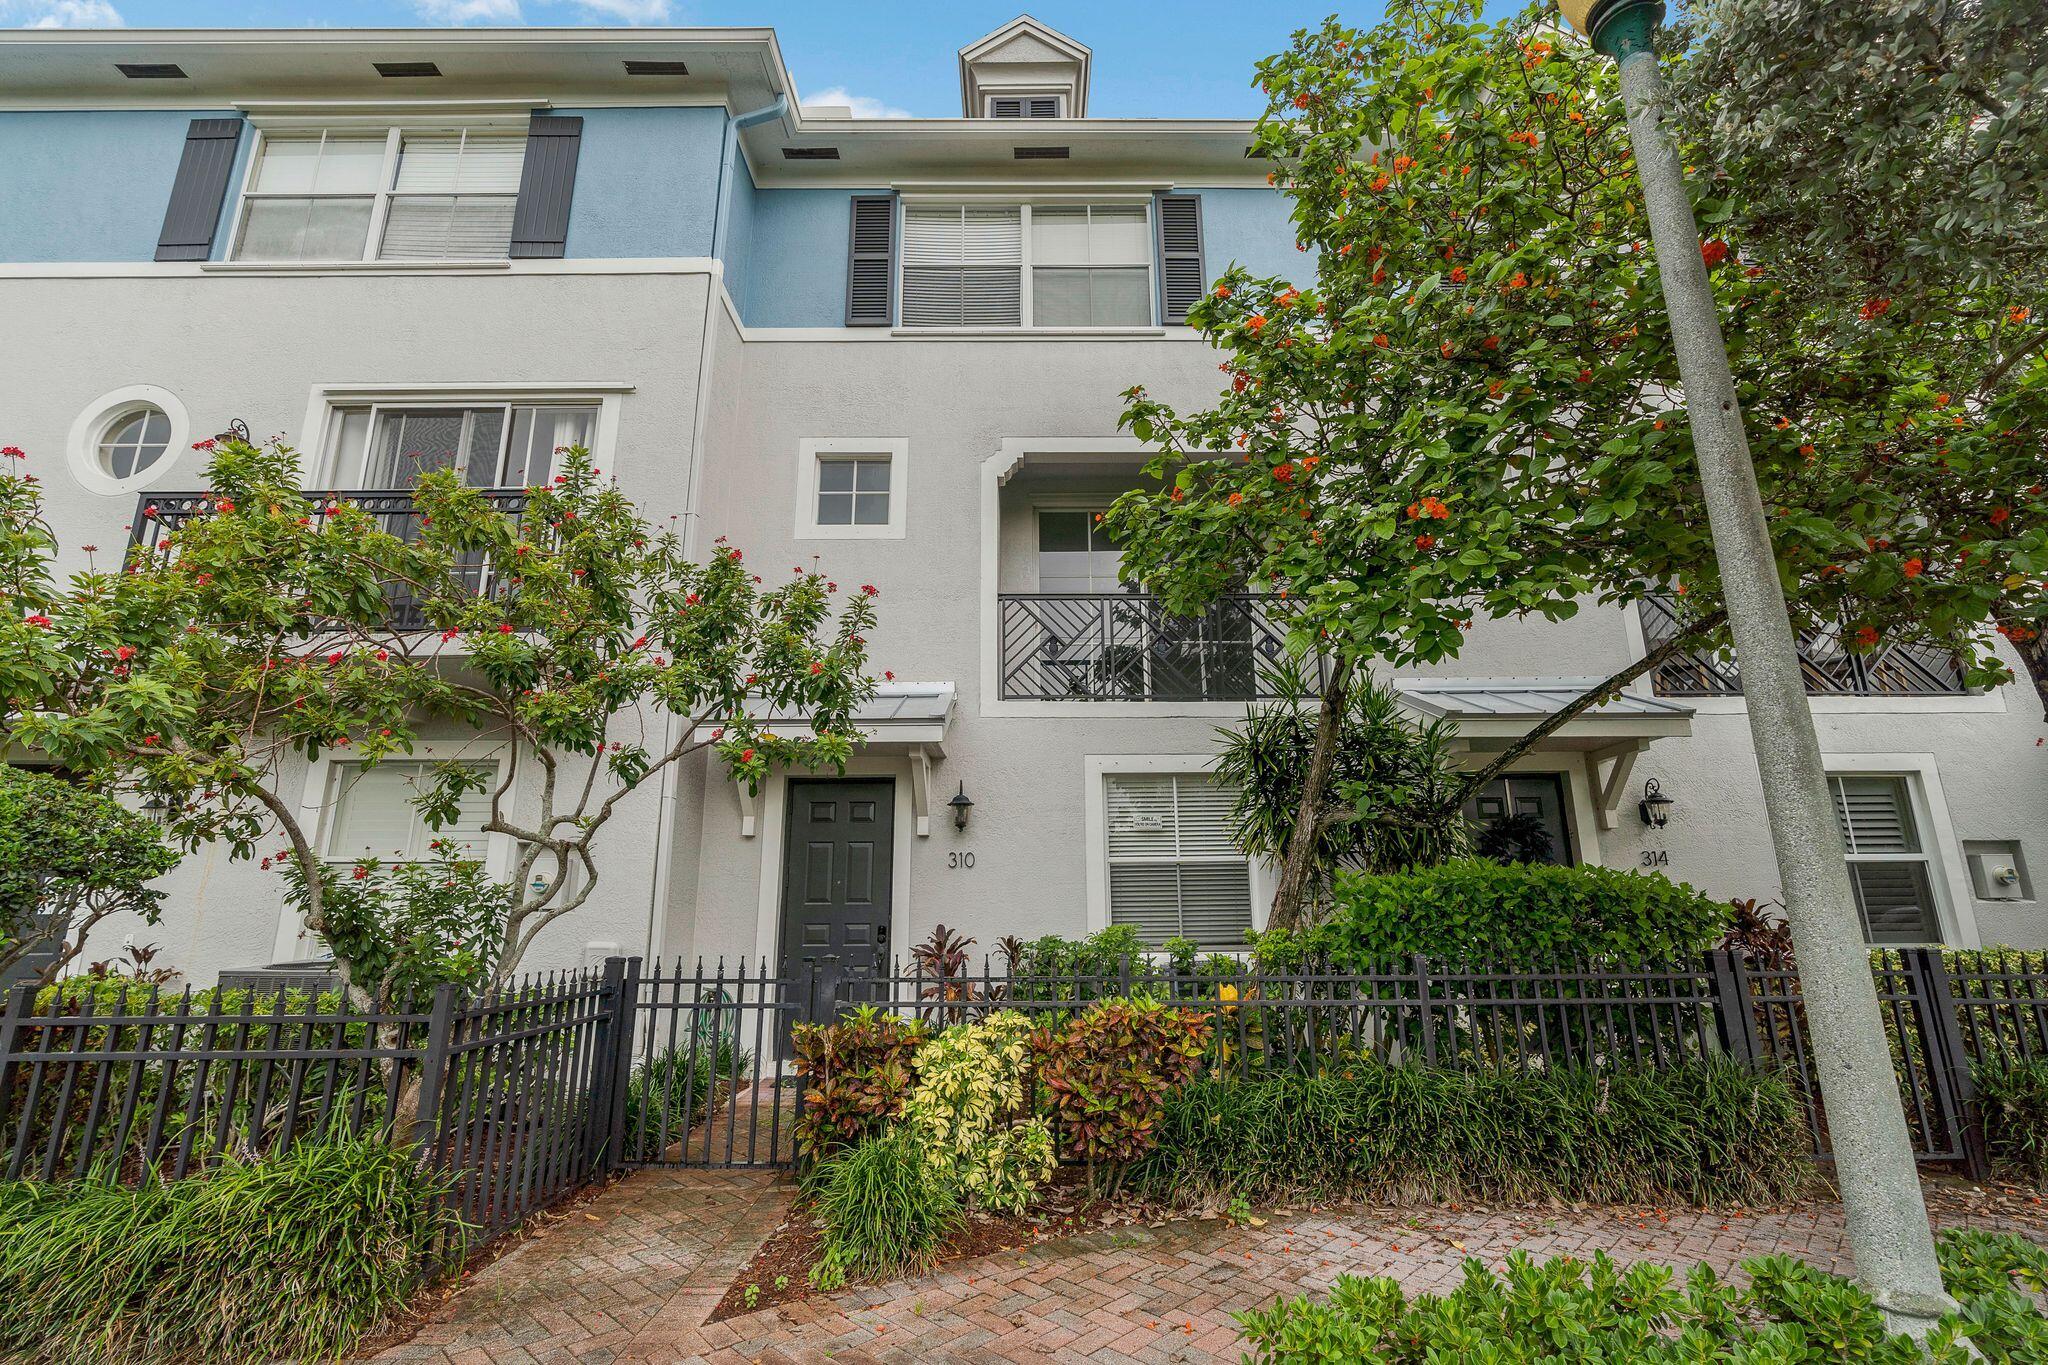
{"x": 711, "y": 1082}
{"x": 1917, "y": 1006}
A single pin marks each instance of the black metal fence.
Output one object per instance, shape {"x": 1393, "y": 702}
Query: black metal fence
{"x": 514, "y": 1094}
{"x": 528, "y": 1093}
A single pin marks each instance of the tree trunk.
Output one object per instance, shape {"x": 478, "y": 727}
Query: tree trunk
{"x": 1297, "y": 867}
{"x": 2030, "y": 642}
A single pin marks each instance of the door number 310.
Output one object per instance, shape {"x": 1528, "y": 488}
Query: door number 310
{"x": 959, "y": 859}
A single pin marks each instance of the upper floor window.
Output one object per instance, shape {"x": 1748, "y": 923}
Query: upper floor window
{"x": 490, "y": 445}
{"x": 393, "y": 194}
{"x": 851, "y": 488}
{"x": 1027, "y": 265}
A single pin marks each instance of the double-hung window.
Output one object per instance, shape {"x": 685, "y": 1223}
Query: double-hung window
{"x": 490, "y": 445}
{"x": 1027, "y": 265}
{"x": 1888, "y": 862}
{"x": 374, "y": 814}
{"x": 1173, "y": 870}
{"x": 390, "y": 194}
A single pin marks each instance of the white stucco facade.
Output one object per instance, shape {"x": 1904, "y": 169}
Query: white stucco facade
{"x": 712, "y": 411}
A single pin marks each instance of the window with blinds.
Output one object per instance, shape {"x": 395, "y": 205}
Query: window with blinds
{"x": 1173, "y": 870}
{"x": 963, "y": 266}
{"x": 1888, "y": 863}
{"x": 374, "y": 815}
{"x": 495, "y": 445}
{"x": 387, "y": 194}
{"x": 1025, "y": 265}
{"x": 453, "y": 196}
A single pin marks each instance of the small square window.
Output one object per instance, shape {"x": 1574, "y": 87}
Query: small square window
{"x": 850, "y": 489}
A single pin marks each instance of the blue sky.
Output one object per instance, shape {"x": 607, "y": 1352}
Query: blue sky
{"x": 1186, "y": 58}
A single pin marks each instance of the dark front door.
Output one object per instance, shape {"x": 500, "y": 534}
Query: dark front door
{"x": 1521, "y": 819}
{"x": 836, "y": 879}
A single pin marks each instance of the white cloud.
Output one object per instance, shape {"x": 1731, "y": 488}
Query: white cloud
{"x": 62, "y": 13}
{"x": 862, "y": 106}
{"x": 470, "y": 11}
{"x": 627, "y": 11}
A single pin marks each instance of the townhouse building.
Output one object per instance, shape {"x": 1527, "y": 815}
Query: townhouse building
{"x": 889, "y": 348}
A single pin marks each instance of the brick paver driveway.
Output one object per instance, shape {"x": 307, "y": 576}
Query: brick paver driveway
{"x": 633, "y": 1275}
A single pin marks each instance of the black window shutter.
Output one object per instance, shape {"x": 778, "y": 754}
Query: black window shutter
{"x": 540, "y": 220}
{"x": 871, "y": 262}
{"x": 1182, "y": 280}
{"x": 193, "y": 215}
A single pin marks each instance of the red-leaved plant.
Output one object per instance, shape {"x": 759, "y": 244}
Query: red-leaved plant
{"x": 1104, "y": 1076}
{"x": 859, "y": 1071}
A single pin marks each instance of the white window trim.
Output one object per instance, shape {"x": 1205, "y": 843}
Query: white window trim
{"x": 812, "y": 449}
{"x": 1025, "y": 203}
{"x": 325, "y": 400}
{"x": 319, "y": 802}
{"x": 1948, "y": 873}
{"x": 396, "y": 124}
{"x": 1095, "y": 770}
{"x": 83, "y": 445}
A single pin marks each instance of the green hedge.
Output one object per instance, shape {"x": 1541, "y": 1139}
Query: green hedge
{"x": 290, "y": 1258}
{"x": 1569, "y": 1310}
{"x": 2013, "y": 1098}
{"x": 1700, "y": 1133}
{"x": 1472, "y": 911}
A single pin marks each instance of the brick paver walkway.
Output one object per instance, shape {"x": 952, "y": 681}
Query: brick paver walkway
{"x": 633, "y": 1275}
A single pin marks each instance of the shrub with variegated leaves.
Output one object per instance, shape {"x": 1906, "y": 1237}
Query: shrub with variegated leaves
{"x": 967, "y": 1112}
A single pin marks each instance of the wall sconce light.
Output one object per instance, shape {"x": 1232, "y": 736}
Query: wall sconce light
{"x": 238, "y": 430}
{"x": 1655, "y": 805}
{"x": 961, "y": 804}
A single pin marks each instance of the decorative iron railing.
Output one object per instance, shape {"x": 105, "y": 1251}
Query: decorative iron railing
{"x": 1830, "y": 667}
{"x": 1119, "y": 646}
{"x": 158, "y": 515}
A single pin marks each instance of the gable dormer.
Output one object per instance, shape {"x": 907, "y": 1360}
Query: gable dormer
{"x": 1024, "y": 70}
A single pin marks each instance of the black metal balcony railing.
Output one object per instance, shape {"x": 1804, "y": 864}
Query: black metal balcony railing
{"x": 159, "y": 514}
{"x": 1115, "y": 646}
{"x": 1831, "y": 669}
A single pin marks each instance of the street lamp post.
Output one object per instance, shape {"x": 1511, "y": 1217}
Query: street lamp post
{"x": 1889, "y": 1235}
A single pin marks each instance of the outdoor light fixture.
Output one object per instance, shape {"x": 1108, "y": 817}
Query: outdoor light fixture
{"x": 961, "y": 804}
{"x": 238, "y": 430}
{"x": 1655, "y": 805}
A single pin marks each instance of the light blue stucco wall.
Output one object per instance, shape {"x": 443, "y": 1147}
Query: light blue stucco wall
{"x": 741, "y": 227}
{"x": 1251, "y": 228}
{"x": 646, "y": 180}
{"x": 795, "y": 267}
{"x": 92, "y": 184}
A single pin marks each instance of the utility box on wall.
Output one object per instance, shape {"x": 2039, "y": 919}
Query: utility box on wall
{"x": 1998, "y": 870}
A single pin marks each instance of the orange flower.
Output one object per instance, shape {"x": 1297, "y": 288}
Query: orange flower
{"x": 1236, "y": 498}
{"x": 1222, "y": 291}
{"x": 2020, "y": 314}
{"x": 1458, "y": 275}
{"x": 1255, "y": 322}
{"x": 1914, "y": 567}
{"x": 1424, "y": 542}
{"x": 1875, "y": 308}
{"x": 1380, "y": 339}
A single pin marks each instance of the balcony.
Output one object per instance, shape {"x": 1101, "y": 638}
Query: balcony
{"x": 1120, "y": 646}
{"x": 1831, "y": 669}
{"x": 157, "y": 515}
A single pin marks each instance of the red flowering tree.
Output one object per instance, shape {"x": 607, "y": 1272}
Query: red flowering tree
{"x": 564, "y": 635}
{"x": 1469, "y": 407}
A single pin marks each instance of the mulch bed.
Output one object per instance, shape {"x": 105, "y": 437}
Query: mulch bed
{"x": 1064, "y": 1207}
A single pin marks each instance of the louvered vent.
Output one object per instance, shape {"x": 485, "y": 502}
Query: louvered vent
{"x": 810, "y": 153}
{"x": 1024, "y": 106}
{"x": 151, "y": 71}
{"x": 407, "y": 69}
{"x": 1039, "y": 153}
{"x": 647, "y": 68}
